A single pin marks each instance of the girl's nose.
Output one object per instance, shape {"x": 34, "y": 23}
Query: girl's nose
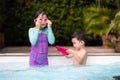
{"x": 44, "y": 22}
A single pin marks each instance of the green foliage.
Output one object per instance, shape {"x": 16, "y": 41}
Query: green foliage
{"x": 2, "y": 17}
{"x": 115, "y": 26}
{"x": 97, "y": 19}
{"x": 66, "y": 16}
{"x": 16, "y": 18}
{"x": 9, "y": 20}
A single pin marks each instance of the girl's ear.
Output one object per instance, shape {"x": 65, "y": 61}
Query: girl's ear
{"x": 35, "y": 20}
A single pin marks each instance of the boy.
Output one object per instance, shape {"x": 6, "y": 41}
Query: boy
{"x": 79, "y": 54}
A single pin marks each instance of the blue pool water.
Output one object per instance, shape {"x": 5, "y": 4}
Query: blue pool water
{"x": 22, "y": 71}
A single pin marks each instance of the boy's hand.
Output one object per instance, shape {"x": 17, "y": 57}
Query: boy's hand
{"x": 70, "y": 51}
{"x": 49, "y": 23}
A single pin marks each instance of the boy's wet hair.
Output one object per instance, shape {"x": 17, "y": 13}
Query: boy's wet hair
{"x": 79, "y": 36}
{"x": 38, "y": 13}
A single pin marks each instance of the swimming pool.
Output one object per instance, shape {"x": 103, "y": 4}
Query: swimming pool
{"x": 61, "y": 60}
{"x": 17, "y": 68}
{"x": 21, "y": 71}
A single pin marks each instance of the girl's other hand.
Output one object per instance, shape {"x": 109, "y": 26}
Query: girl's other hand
{"x": 49, "y": 23}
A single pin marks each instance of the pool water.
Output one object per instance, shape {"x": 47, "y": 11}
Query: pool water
{"x": 22, "y": 71}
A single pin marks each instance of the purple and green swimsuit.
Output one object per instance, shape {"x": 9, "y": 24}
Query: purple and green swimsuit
{"x": 39, "y": 46}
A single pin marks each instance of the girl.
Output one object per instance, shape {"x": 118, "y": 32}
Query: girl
{"x": 39, "y": 37}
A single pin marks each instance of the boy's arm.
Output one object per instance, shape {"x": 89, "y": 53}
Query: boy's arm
{"x": 69, "y": 55}
{"x": 80, "y": 56}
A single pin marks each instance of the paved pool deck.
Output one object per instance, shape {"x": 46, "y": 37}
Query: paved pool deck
{"x": 24, "y": 50}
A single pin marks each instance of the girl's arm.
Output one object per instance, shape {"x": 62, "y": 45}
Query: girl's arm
{"x": 33, "y": 35}
{"x": 51, "y": 37}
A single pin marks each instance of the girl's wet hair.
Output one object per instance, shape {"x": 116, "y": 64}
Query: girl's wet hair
{"x": 38, "y": 13}
{"x": 79, "y": 36}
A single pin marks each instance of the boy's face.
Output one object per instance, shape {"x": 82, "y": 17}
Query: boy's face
{"x": 76, "y": 43}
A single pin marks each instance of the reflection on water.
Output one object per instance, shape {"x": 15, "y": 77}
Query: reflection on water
{"x": 22, "y": 71}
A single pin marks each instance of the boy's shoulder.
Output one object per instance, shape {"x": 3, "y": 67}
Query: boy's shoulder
{"x": 82, "y": 51}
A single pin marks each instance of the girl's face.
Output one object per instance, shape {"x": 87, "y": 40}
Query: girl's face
{"x": 77, "y": 44}
{"x": 42, "y": 19}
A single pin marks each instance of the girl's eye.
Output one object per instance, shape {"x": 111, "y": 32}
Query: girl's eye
{"x": 40, "y": 19}
{"x": 45, "y": 19}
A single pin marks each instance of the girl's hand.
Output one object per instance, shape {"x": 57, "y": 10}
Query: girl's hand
{"x": 38, "y": 24}
{"x": 49, "y": 23}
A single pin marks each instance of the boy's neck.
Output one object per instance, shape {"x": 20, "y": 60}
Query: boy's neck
{"x": 82, "y": 47}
